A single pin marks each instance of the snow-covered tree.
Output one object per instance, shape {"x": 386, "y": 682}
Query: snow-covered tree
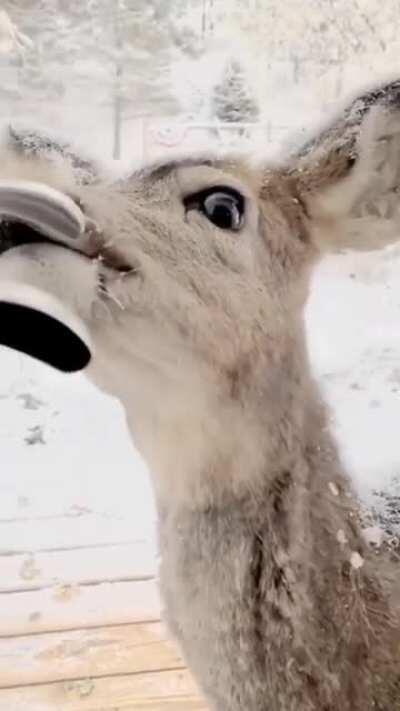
{"x": 318, "y": 30}
{"x": 109, "y": 54}
{"x": 233, "y": 100}
{"x": 124, "y": 57}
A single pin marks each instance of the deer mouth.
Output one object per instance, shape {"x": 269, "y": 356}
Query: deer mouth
{"x": 15, "y": 234}
{"x": 33, "y": 320}
{"x": 54, "y": 261}
{"x": 32, "y": 213}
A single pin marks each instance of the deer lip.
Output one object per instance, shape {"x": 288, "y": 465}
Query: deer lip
{"x": 32, "y": 213}
{"x": 92, "y": 246}
{"x": 112, "y": 259}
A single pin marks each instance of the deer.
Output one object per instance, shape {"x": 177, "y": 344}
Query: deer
{"x": 196, "y": 314}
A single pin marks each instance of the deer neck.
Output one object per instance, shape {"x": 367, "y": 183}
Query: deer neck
{"x": 204, "y": 448}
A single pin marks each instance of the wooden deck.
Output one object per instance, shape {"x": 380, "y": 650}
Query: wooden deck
{"x": 79, "y": 608}
{"x": 80, "y": 631}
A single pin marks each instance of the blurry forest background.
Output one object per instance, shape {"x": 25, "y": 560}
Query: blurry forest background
{"x": 119, "y": 74}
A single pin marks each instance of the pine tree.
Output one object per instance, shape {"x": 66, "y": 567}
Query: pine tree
{"x": 232, "y": 100}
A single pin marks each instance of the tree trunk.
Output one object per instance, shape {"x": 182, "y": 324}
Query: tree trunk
{"x": 117, "y": 142}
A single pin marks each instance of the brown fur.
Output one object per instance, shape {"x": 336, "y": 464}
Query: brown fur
{"x": 277, "y": 603}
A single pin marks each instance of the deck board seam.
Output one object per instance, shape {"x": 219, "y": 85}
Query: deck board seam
{"x": 113, "y": 675}
{"x": 79, "y": 583}
{"x": 59, "y": 630}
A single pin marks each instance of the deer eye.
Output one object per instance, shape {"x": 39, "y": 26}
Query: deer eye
{"x": 223, "y": 206}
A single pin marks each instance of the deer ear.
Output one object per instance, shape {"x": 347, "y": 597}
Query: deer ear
{"x": 34, "y": 144}
{"x": 349, "y": 176}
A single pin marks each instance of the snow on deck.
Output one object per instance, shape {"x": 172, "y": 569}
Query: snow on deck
{"x": 79, "y": 605}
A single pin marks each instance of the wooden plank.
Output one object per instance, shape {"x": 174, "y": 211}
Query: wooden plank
{"x": 73, "y": 607}
{"x": 66, "y": 497}
{"x": 21, "y": 504}
{"x": 64, "y": 533}
{"x": 160, "y": 691}
{"x": 126, "y": 649}
{"x": 135, "y": 561}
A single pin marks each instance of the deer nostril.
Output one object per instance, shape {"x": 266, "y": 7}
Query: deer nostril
{"x": 115, "y": 260}
{"x": 116, "y": 267}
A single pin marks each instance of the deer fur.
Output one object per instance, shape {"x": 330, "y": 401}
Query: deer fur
{"x": 268, "y": 586}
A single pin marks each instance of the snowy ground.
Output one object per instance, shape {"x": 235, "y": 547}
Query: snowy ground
{"x": 70, "y": 475}
{"x": 354, "y": 339}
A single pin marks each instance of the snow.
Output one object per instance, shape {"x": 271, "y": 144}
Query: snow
{"x": 354, "y": 340}
{"x": 80, "y": 482}
{"x": 356, "y": 560}
{"x": 68, "y": 464}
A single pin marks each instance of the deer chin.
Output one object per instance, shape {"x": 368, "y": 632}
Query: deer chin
{"x": 46, "y": 296}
